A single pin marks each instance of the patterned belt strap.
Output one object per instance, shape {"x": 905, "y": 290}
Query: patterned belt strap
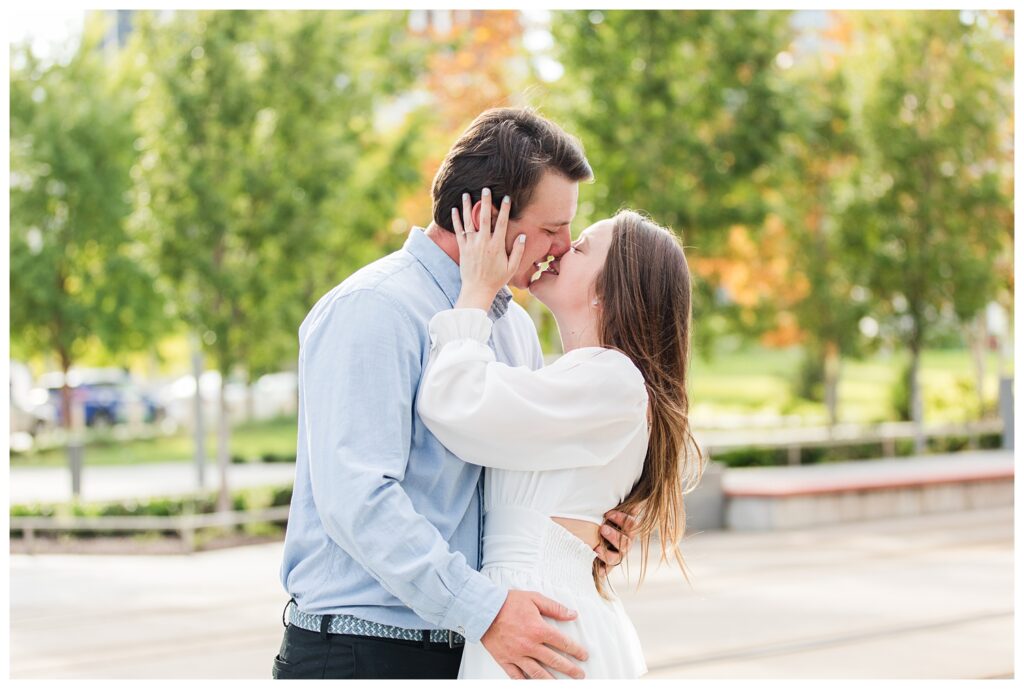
{"x": 346, "y": 624}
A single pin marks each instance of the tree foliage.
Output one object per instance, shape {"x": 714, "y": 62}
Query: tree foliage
{"x": 926, "y": 218}
{"x": 78, "y": 275}
{"x": 227, "y": 168}
{"x": 267, "y": 174}
{"x": 680, "y": 114}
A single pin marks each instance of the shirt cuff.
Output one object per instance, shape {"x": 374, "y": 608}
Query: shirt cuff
{"x": 459, "y": 324}
{"x": 474, "y": 609}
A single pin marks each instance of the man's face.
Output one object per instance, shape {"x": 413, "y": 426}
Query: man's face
{"x": 545, "y": 222}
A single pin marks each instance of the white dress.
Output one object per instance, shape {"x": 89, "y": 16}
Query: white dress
{"x": 567, "y": 440}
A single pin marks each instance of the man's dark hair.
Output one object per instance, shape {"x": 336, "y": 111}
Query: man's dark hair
{"x": 506, "y": 150}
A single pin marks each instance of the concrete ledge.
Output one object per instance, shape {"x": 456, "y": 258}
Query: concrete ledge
{"x": 705, "y": 505}
{"x": 788, "y": 497}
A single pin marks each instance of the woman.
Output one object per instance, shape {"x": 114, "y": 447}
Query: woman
{"x": 604, "y": 426}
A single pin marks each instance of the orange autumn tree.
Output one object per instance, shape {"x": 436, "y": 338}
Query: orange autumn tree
{"x": 820, "y": 155}
{"x": 478, "y": 63}
{"x": 787, "y": 278}
{"x": 758, "y": 274}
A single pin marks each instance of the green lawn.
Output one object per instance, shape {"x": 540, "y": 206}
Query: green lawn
{"x": 744, "y": 382}
{"x": 250, "y": 441}
{"x": 757, "y": 379}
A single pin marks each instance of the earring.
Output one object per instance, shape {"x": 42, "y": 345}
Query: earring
{"x": 596, "y": 302}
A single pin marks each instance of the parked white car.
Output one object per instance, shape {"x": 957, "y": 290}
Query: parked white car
{"x": 31, "y": 411}
{"x": 272, "y": 395}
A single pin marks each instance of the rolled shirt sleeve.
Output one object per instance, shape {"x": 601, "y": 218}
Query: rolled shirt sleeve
{"x": 583, "y": 410}
{"x": 358, "y": 427}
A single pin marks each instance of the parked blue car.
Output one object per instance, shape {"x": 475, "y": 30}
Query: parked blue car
{"x": 107, "y": 401}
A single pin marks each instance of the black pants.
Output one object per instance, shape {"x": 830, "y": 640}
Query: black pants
{"x": 315, "y": 655}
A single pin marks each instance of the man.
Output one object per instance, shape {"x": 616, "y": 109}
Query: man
{"x": 383, "y": 542}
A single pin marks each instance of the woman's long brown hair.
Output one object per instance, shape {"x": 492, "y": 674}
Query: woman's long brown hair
{"x": 644, "y": 290}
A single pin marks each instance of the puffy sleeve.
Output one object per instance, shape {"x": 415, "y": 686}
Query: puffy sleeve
{"x": 583, "y": 410}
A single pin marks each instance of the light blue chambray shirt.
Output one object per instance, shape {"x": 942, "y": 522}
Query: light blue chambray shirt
{"x": 385, "y": 524}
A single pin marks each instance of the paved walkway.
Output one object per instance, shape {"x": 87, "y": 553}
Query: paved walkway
{"x": 53, "y": 484}
{"x": 921, "y": 597}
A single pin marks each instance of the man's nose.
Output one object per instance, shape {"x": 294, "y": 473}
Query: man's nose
{"x": 561, "y": 243}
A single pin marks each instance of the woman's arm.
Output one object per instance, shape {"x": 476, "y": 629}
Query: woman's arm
{"x": 569, "y": 414}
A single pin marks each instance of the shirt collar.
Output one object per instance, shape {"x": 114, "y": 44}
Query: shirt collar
{"x": 445, "y": 271}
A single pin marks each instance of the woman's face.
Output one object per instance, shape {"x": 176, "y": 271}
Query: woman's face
{"x": 567, "y": 286}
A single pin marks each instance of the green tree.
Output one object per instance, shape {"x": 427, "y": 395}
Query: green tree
{"x": 680, "y": 115}
{"x": 266, "y": 172}
{"x": 928, "y": 217}
{"x": 78, "y": 276}
{"x": 818, "y": 153}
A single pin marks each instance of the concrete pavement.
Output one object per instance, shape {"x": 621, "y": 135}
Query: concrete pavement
{"x": 137, "y": 481}
{"x": 915, "y": 597}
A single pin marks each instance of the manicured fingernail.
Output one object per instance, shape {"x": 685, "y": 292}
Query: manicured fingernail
{"x": 486, "y": 192}
{"x": 522, "y": 239}
{"x": 606, "y": 530}
{"x": 465, "y": 197}
{"x": 507, "y": 200}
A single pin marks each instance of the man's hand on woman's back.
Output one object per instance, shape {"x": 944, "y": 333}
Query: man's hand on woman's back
{"x": 618, "y": 532}
{"x": 524, "y": 645}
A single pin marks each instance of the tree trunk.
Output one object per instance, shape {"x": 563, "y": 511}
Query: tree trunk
{"x": 73, "y": 418}
{"x": 977, "y": 336}
{"x": 250, "y": 399}
{"x": 65, "y": 395}
{"x": 832, "y": 364}
{"x": 223, "y": 448}
{"x": 200, "y": 426}
{"x": 916, "y": 401}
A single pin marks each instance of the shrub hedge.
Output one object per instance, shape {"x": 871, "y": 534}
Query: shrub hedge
{"x": 762, "y": 457}
{"x": 242, "y": 500}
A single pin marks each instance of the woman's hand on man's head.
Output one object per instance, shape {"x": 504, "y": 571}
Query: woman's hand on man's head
{"x": 485, "y": 265}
